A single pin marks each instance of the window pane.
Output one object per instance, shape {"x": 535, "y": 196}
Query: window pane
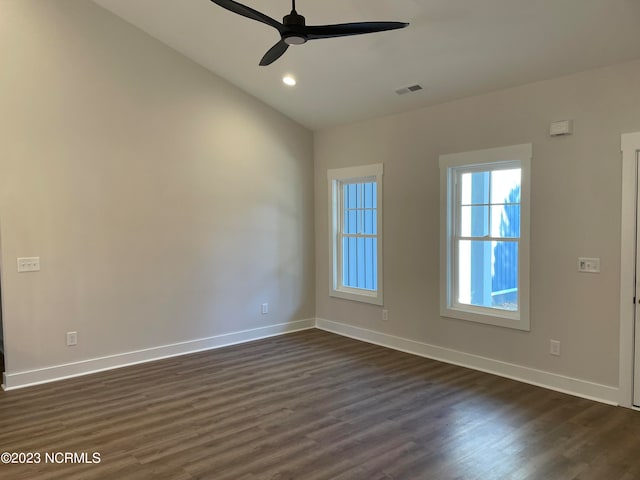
{"x": 475, "y": 188}
{"x": 349, "y": 222}
{"x": 368, "y": 195}
{"x": 373, "y": 256}
{"x": 504, "y": 279}
{"x": 350, "y": 271}
{"x": 369, "y": 222}
{"x": 352, "y": 221}
{"x": 505, "y": 186}
{"x": 359, "y": 266}
{"x": 345, "y": 260}
{"x": 505, "y": 221}
{"x": 488, "y": 274}
{"x": 350, "y": 195}
{"x": 359, "y": 208}
{"x": 474, "y": 221}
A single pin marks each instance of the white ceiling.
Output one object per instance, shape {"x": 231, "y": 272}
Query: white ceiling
{"x": 454, "y": 48}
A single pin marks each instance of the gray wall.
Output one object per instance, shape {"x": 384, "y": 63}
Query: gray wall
{"x": 166, "y": 205}
{"x": 575, "y": 211}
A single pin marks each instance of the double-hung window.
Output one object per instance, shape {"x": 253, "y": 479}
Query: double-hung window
{"x": 484, "y": 268}
{"x": 355, "y": 224}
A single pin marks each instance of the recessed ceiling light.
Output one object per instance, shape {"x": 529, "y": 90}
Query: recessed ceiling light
{"x": 289, "y": 80}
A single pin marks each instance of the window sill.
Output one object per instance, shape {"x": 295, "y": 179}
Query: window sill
{"x": 374, "y": 298}
{"x": 513, "y": 320}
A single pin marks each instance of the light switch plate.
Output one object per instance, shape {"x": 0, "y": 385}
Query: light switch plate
{"x": 589, "y": 265}
{"x": 28, "y": 264}
{"x": 72, "y": 339}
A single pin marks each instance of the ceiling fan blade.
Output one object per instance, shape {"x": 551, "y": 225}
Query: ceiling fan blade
{"x": 248, "y": 12}
{"x": 314, "y": 32}
{"x": 274, "y": 53}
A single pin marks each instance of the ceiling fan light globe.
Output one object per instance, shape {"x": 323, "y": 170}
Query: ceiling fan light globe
{"x": 294, "y": 40}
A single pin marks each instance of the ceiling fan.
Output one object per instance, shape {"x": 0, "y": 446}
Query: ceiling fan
{"x": 293, "y": 30}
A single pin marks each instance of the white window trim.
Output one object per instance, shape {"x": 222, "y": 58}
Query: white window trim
{"x": 448, "y": 308}
{"x": 336, "y": 176}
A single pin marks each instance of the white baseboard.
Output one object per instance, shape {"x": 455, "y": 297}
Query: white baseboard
{"x": 540, "y": 378}
{"x": 13, "y": 381}
{"x": 573, "y": 386}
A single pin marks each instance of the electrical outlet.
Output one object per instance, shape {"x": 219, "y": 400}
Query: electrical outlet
{"x": 554, "y": 347}
{"x": 264, "y": 308}
{"x": 72, "y": 339}
{"x": 385, "y": 315}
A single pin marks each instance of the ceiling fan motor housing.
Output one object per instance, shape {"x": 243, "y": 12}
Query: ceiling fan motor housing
{"x": 291, "y": 21}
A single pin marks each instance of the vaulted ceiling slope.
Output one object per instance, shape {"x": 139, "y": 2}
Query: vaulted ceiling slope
{"x": 453, "y": 48}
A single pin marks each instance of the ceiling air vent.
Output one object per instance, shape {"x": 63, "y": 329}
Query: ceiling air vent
{"x": 409, "y": 89}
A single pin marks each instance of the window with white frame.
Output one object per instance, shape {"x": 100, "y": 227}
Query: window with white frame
{"x": 484, "y": 269}
{"x": 355, "y": 224}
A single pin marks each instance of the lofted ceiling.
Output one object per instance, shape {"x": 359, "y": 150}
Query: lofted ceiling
{"x": 453, "y": 48}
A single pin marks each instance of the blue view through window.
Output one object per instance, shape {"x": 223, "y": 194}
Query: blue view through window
{"x": 489, "y": 230}
{"x": 359, "y": 232}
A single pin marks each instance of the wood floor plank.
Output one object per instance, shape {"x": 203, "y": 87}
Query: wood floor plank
{"x": 315, "y": 406}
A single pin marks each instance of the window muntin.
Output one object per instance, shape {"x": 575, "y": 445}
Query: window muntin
{"x": 355, "y": 220}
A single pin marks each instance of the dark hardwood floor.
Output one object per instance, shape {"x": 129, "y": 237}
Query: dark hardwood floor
{"x": 312, "y": 406}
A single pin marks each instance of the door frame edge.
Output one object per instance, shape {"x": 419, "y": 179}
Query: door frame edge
{"x": 630, "y": 145}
